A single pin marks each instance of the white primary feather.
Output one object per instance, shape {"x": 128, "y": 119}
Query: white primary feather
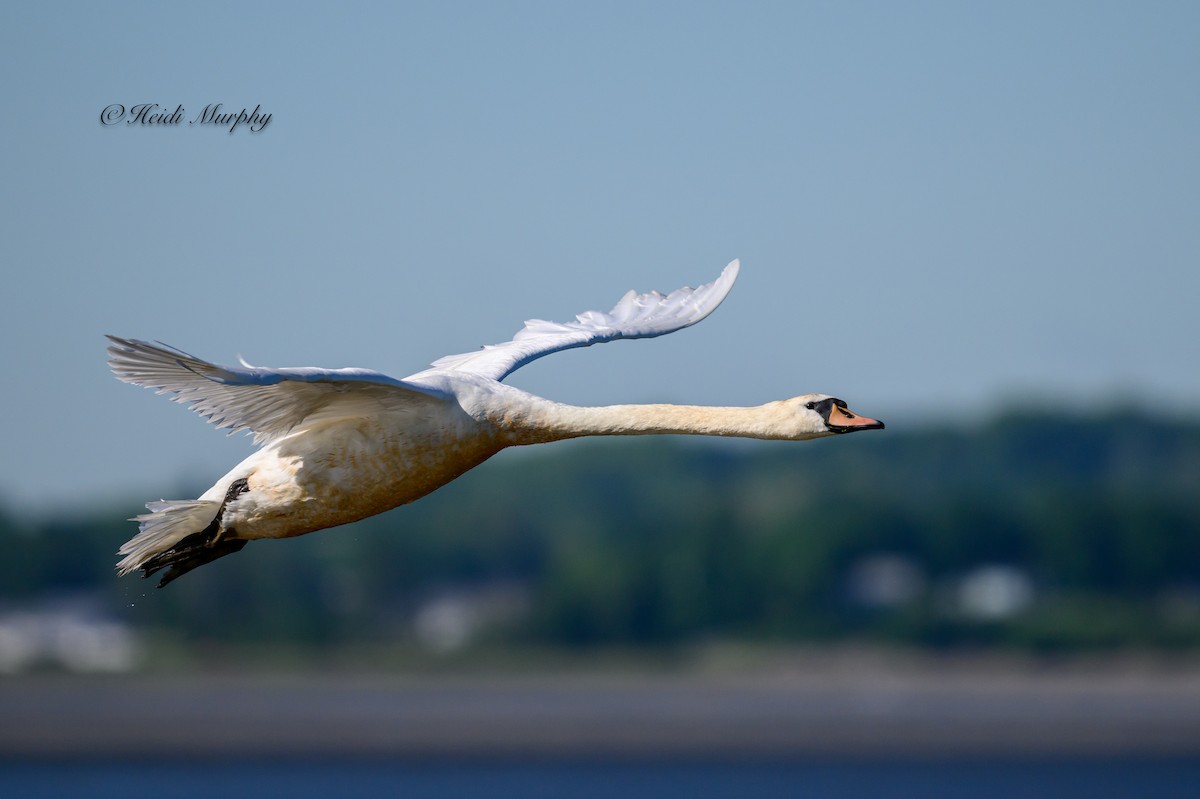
{"x": 634, "y": 316}
{"x": 270, "y": 403}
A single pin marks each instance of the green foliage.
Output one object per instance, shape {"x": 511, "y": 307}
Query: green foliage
{"x": 650, "y": 542}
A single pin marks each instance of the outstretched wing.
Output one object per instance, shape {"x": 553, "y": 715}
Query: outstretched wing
{"x": 635, "y": 316}
{"x": 270, "y": 403}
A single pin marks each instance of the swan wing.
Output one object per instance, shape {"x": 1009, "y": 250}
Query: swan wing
{"x": 269, "y": 403}
{"x": 634, "y": 316}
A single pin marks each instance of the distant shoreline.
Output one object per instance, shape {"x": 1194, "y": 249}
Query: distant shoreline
{"x": 815, "y": 707}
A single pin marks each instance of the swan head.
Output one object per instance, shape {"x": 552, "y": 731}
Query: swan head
{"x": 818, "y": 415}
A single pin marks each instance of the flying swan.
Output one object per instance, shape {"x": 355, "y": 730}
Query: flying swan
{"x": 339, "y": 445}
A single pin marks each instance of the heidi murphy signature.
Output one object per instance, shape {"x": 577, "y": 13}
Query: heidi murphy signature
{"x": 153, "y": 114}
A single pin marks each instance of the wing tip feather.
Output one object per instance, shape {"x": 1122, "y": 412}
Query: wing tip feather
{"x": 633, "y": 316}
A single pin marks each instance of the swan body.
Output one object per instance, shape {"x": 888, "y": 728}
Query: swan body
{"x": 339, "y": 445}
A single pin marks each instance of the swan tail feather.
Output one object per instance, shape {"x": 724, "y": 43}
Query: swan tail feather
{"x": 179, "y": 535}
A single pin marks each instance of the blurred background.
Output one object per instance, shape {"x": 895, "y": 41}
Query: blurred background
{"x": 976, "y": 222}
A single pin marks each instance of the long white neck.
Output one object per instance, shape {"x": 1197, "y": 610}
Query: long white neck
{"x": 539, "y": 420}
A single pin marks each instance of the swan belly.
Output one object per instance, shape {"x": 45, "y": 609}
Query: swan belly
{"x": 345, "y": 471}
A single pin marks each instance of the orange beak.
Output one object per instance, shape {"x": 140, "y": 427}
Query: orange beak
{"x": 841, "y": 420}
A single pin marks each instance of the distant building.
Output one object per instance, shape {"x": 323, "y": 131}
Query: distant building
{"x": 994, "y": 592}
{"x": 453, "y": 618}
{"x": 70, "y": 634}
{"x": 884, "y": 581}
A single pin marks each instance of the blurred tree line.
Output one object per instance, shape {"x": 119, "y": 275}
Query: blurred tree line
{"x": 1077, "y": 531}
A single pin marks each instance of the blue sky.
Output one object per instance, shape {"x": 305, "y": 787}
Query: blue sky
{"x": 939, "y": 207}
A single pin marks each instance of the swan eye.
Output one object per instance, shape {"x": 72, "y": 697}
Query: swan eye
{"x": 812, "y": 406}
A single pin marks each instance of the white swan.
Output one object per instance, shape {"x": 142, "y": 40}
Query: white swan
{"x": 343, "y": 444}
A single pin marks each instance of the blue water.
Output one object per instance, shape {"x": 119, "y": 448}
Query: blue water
{"x": 977, "y": 779}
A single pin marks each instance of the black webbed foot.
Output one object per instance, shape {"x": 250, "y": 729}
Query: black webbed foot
{"x": 185, "y": 556}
